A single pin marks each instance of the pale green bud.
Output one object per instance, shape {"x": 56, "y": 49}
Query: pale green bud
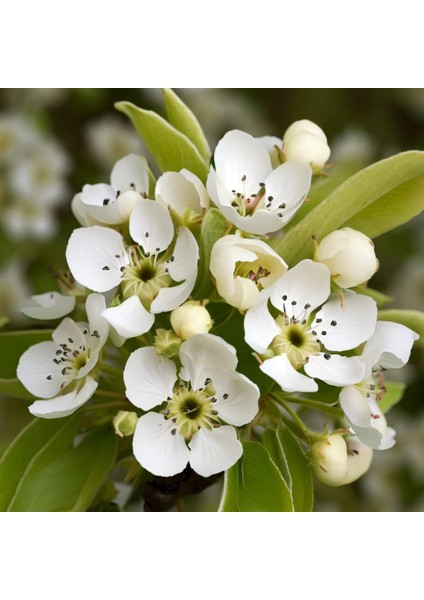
{"x": 329, "y": 459}
{"x": 125, "y": 423}
{"x": 305, "y": 142}
{"x": 167, "y": 343}
{"x": 190, "y": 319}
{"x": 349, "y": 255}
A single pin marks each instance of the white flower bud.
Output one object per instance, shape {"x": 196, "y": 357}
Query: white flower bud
{"x": 330, "y": 459}
{"x": 359, "y": 458}
{"x": 349, "y": 255}
{"x": 189, "y": 319}
{"x": 305, "y": 142}
{"x": 125, "y": 423}
{"x": 243, "y": 268}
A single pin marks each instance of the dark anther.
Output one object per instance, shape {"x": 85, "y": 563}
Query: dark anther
{"x": 261, "y": 185}
{"x": 117, "y": 256}
{"x": 174, "y": 420}
{"x": 146, "y": 234}
{"x": 174, "y": 431}
{"x": 157, "y": 249}
{"x": 57, "y": 361}
{"x": 307, "y": 306}
{"x": 270, "y": 198}
{"x": 95, "y": 333}
{"x": 169, "y": 399}
{"x": 207, "y": 380}
{"x": 106, "y": 268}
{"x": 122, "y": 269}
{"x": 49, "y": 377}
{"x": 85, "y": 331}
{"x": 58, "y": 352}
{"x": 75, "y": 353}
{"x": 284, "y": 297}
{"x": 282, "y": 205}
{"x": 294, "y": 303}
{"x": 323, "y": 333}
{"x": 147, "y": 254}
{"x": 172, "y": 258}
{"x": 333, "y": 323}
{"x": 105, "y": 201}
{"x": 214, "y": 413}
{"x": 243, "y": 178}
{"x": 225, "y": 396}
{"x": 319, "y": 320}
{"x": 327, "y": 356}
{"x": 213, "y": 399}
{"x": 70, "y": 340}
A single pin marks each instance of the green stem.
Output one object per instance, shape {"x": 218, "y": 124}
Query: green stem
{"x": 113, "y": 371}
{"x": 108, "y": 394}
{"x": 334, "y": 411}
{"x": 107, "y": 406}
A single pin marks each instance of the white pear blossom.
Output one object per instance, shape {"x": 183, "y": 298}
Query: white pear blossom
{"x": 243, "y": 269}
{"x": 274, "y": 146}
{"x": 250, "y": 194}
{"x": 14, "y": 290}
{"x": 183, "y": 192}
{"x": 112, "y": 204}
{"x": 195, "y": 405}
{"x": 50, "y": 305}
{"x": 305, "y": 142}
{"x": 155, "y": 275}
{"x": 40, "y": 174}
{"x": 301, "y": 339}
{"x": 26, "y": 217}
{"x": 190, "y": 319}
{"x": 339, "y": 460}
{"x": 388, "y": 348}
{"x": 62, "y": 372}
{"x": 350, "y": 256}
{"x": 16, "y": 134}
{"x": 109, "y": 139}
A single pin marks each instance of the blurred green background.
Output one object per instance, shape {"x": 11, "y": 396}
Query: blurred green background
{"x": 53, "y": 141}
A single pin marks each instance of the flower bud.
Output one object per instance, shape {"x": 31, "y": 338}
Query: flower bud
{"x": 243, "y": 268}
{"x": 349, "y": 255}
{"x": 359, "y": 458}
{"x": 125, "y": 423}
{"x": 305, "y": 142}
{"x": 330, "y": 459}
{"x": 167, "y": 343}
{"x": 189, "y": 319}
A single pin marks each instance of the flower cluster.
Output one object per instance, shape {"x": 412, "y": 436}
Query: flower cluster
{"x": 153, "y": 273}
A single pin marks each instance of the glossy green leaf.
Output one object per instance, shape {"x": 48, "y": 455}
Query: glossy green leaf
{"x": 14, "y": 389}
{"x": 414, "y": 319}
{"x": 3, "y": 321}
{"x": 375, "y": 200}
{"x": 393, "y": 395}
{"x": 42, "y": 438}
{"x": 255, "y": 484}
{"x": 214, "y": 226}
{"x": 13, "y": 344}
{"x": 171, "y": 149}
{"x": 294, "y": 466}
{"x": 182, "y": 118}
{"x": 42, "y": 471}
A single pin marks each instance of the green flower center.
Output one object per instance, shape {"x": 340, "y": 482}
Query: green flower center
{"x": 145, "y": 277}
{"x": 295, "y": 340}
{"x": 190, "y": 410}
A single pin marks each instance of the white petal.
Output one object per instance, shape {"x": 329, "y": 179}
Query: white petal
{"x": 130, "y": 318}
{"x": 151, "y": 226}
{"x": 95, "y": 256}
{"x": 389, "y": 347}
{"x": 80, "y": 212}
{"x": 200, "y": 188}
{"x": 185, "y": 256}
{"x": 172, "y": 297}
{"x": 68, "y": 332}
{"x": 149, "y": 378}
{"x": 38, "y": 372}
{"x": 51, "y": 305}
{"x": 355, "y": 406}
{"x": 94, "y": 306}
{"x": 240, "y": 404}
{"x": 280, "y": 370}
{"x": 301, "y": 289}
{"x": 288, "y": 184}
{"x": 355, "y": 321}
{"x": 238, "y": 155}
{"x": 156, "y": 449}
{"x": 174, "y": 190}
{"x": 337, "y": 370}
{"x": 214, "y": 451}
{"x": 65, "y": 405}
{"x": 260, "y": 327}
{"x": 203, "y": 356}
{"x": 131, "y": 169}
{"x": 217, "y": 191}
{"x": 99, "y": 194}
{"x": 261, "y": 222}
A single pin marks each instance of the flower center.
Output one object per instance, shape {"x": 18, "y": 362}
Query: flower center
{"x": 295, "y": 340}
{"x": 253, "y": 271}
{"x": 190, "y": 410}
{"x": 144, "y": 277}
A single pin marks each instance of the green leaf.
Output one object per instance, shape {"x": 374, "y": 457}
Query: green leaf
{"x": 375, "y": 200}
{"x": 13, "y": 344}
{"x": 254, "y": 484}
{"x": 42, "y": 471}
{"x": 3, "y": 321}
{"x": 182, "y": 118}
{"x": 414, "y": 319}
{"x": 294, "y": 466}
{"x": 170, "y": 148}
{"x": 214, "y": 226}
{"x": 393, "y": 395}
{"x": 14, "y": 389}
